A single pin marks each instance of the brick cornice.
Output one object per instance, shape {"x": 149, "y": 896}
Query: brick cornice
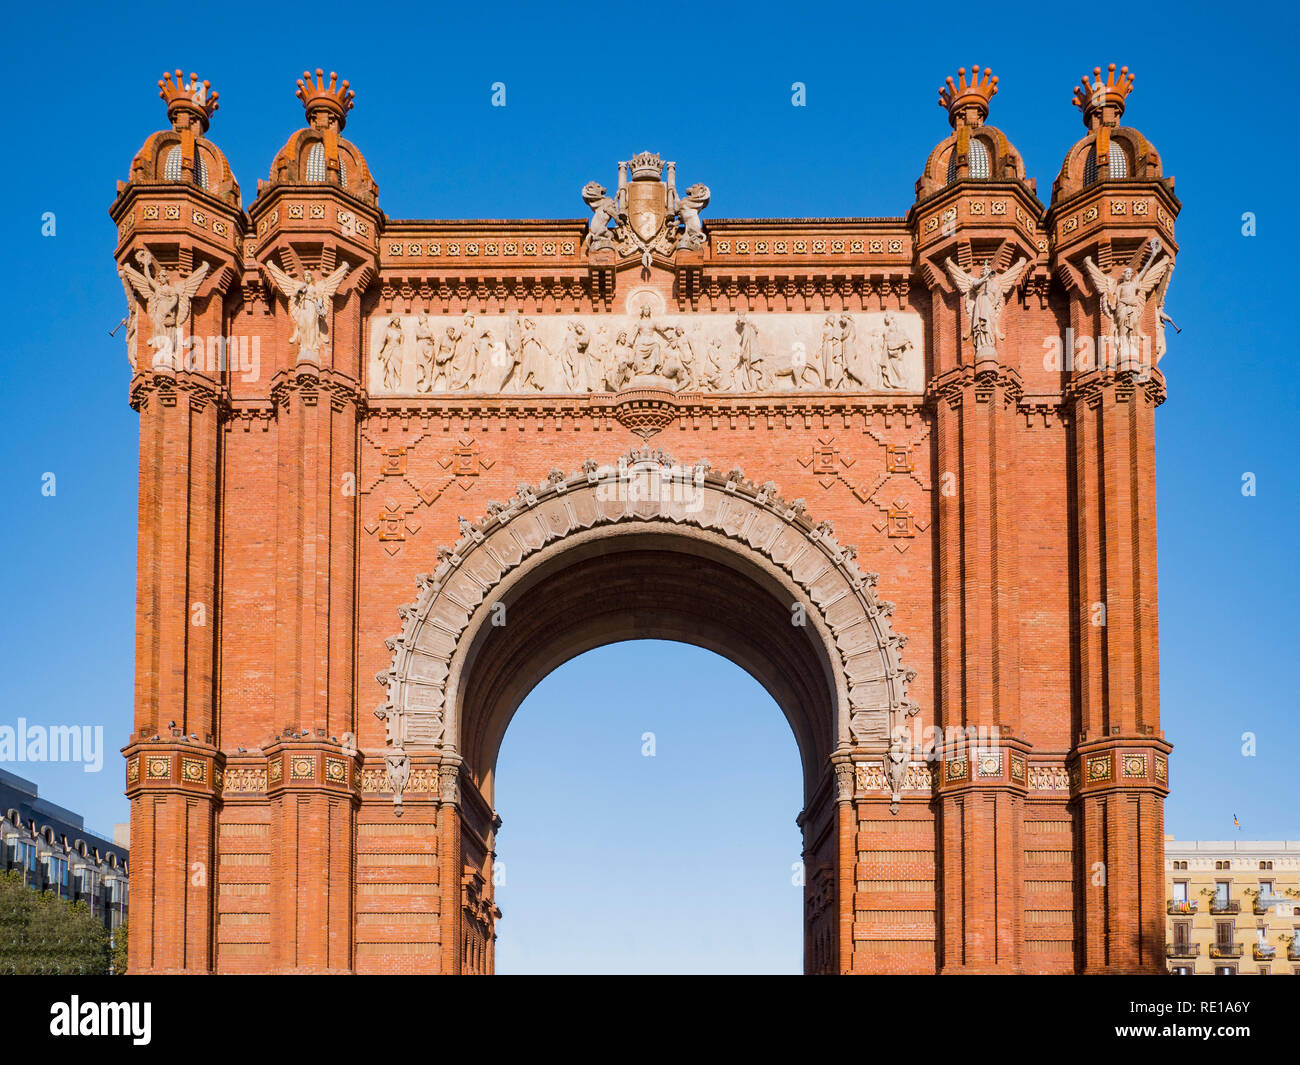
{"x": 173, "y": 766}
{"x": 1120, "y": 764}
{"x": 168, "y": 387}
{"x": 1091, "y": 387}
{"x": 307, "y": 384}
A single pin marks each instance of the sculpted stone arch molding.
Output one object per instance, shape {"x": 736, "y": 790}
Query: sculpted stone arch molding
{"x": 645, "y": 487}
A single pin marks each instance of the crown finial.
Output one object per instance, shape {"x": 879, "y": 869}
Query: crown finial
{"x": 968, "y": 101}
{"x": 332, "y": 101}
{"x": 646, "y": 166}
{"x": 185, "y": 102}
{"x": 1102, "y": 102}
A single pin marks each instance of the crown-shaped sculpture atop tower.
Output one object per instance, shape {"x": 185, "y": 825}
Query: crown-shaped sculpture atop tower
{"x": 1102, "y": 102}
{"x": 968, "y": 101}
{"x": 330, "y": 102}
{"x": 186, "y": 102}
{"x": 646, "y": 166}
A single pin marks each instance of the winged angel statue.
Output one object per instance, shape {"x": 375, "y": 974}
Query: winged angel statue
{"x": 309, "y": 306}
{"x": 1124, "y": 298}
{"x": 167, "y": 304}
{"x": 984, "y": 295}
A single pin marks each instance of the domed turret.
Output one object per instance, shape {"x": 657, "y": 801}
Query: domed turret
{"x": 975, "y": 151}
{"x": 183, "y": 153}
{"x": 317, "y": 154}
{"x": 1109, "y": 151}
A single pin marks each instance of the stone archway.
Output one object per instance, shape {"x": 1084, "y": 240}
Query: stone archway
{"x": 643, "y": 547}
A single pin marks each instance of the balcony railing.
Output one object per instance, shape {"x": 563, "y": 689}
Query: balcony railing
{"x": 1181, "y": 906}
{"x": 1182, "y": 950}
{"x": 1225, "y": 906}
{"x": 1225, "y": 950}
{"x": 1263, "y": 953}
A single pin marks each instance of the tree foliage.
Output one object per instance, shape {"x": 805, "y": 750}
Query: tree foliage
{"x": 42, "y": 934}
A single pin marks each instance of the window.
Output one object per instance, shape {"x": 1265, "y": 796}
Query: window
{"x": 1266, "y": 865}
{"x": 1118, "y": 163}
{"x": 1182, "y": 934}
{"x": 58, "y": 876}
{"x": 1223, "y": 933}
{"x": 1262, "y": 970}
{"x": 977, "y": 159}
{"x": 172, "y": 168}
{"x": 1180, "y": 890}
{"x": 1221, "y": 892}
{"x": 1223, "y": 865}
{"x": 1265, "y": 890}
{"x": 1225, "y": 970}
{"x": 1180, "y": 865}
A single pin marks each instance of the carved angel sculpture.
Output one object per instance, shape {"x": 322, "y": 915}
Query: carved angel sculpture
{"x": 167, "y": 304}
{"x": 984, "y": 295}
{"x": 309, "y": 307}
{"x": 1124, "y": 298}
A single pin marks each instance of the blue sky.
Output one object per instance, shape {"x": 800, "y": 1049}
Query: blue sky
{"x": 709, "y": 87}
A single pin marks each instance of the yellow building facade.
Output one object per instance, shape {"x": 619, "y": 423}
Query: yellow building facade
{"x": 1233, "y": 907}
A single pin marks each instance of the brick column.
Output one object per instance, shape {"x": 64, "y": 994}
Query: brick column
{"x": 450, "y": 867}
{"x": 173, "y": 801}
{"x": 1119, "y": 768}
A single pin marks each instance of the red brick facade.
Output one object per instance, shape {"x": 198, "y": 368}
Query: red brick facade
{"x": 296, "y": 517}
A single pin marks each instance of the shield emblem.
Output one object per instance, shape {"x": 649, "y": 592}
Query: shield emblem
{"x": 647, "y": 207}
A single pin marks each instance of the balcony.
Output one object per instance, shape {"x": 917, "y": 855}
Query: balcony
{"x": 1293, "y": 952}
{"x": 1182, "y": 950}
{"x": 1263, "y": 953}
{"x": 1177, "y": 906}
{"x": 1225, "y": 950}
{"x": 1225, "y": 906}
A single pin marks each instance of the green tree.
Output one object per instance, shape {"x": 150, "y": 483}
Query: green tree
{"x": 41, "y": 933}
{"x": 119, "y": 950}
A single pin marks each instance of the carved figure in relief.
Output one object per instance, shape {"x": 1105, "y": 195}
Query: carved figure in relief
{"x": 796, "y": 367}
{"x": 679, "y": 366}
{"x": 604, "y": 211}
{"x": 573, "y": 357}
{"x": 425, "y": 352}
{"x": 647, "y": 336}
{"x": 442, "y": 360}
{"x": 391, "y": 355}
{"x": 310, "y": 302}
{"x": 748, "y": 373}
{"x": 984, "y": 295}
{"x": 621, "y": 361}
{"x": 1123, "y": 299}
{"x": 894, "y": 347}
{"x": 832, "y": 352}
{"x": 535, "y": 359}
{"x": 167, "y": 305}
{"x": 858, "y": 363}
{"x": 463, "y": 366}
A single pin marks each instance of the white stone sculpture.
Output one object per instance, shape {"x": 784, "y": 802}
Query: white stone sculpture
{"x": 1123, "y": 299}
{"x": 167, "y": 305}
{"x": 984, "y": 295}
{"x": 310, "y": 303}
{"x": 580, "y": 354}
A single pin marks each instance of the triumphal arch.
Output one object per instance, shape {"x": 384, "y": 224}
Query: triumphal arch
{"x": 899, "y": 469}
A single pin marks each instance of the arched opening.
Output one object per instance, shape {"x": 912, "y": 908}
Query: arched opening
{"x": 644, "y": 550}
{"x": 683, "y": 854}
